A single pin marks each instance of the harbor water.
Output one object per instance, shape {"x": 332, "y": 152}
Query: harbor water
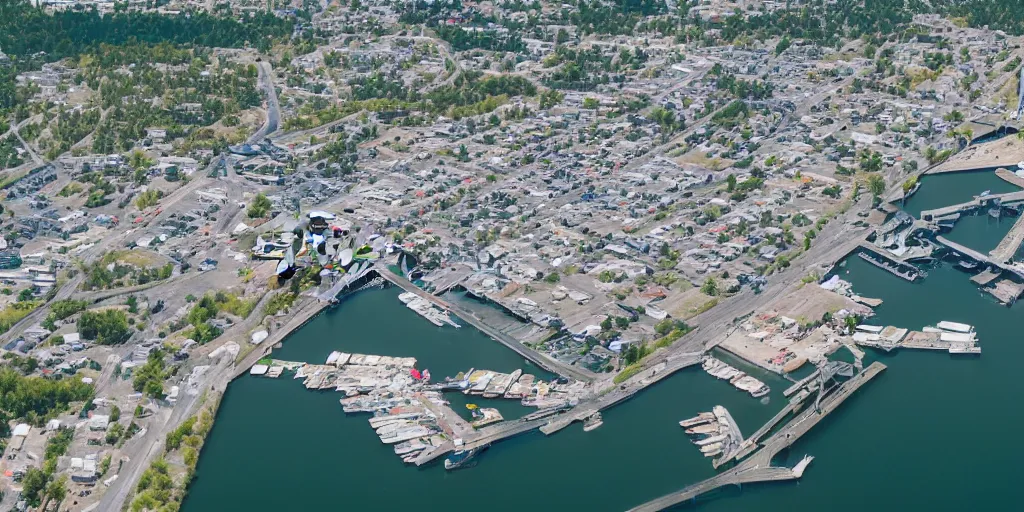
{"x": 934, "y": 432}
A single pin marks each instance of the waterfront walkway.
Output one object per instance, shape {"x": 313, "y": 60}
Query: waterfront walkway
{"x": 758, "y": 467}
{"x": 537, "y": 358}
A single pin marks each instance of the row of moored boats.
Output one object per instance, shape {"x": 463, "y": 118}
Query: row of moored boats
{"x": 737, "y": 378}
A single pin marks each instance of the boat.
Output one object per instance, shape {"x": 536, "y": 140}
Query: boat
{"x": 412, "y": 446}
{"x": 954, "y": 327}
{"x": 406, "y": 434}
{"x": 459, "y": 458}
{"x": 967, "y": 264}
{"x": 593, "y": 422}
{"x": 711, "y": 440}
{"x": 761, "y": 391}
{"x": 985, "y": 193}
{"x": 703, "y": 429}
{"x": 699, "y": 419}
{"x": 710, "y": 447}
{"x": 1020, "y": 165}
{"x": 713, "y": 453}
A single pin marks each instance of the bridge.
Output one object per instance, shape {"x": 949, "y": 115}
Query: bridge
{"x": 758, "y": 467}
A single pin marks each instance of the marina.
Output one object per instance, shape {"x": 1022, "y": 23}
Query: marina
{"x": 896, "y": 302}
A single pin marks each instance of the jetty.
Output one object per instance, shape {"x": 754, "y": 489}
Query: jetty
{"x": 758, "y": 468}
{"x": 977, "y": 202}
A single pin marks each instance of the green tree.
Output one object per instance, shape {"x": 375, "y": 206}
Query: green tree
{"x": 710, "y": 287}
{"x": 876, "y": 185}
{"x": 259, "y": 207}
{"x": 730, "y": 183}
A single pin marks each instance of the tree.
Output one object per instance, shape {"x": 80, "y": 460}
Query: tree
{"x": 710, "y": 287}
{"x": 730, "y": 183}
{"x": 606, "y": 324}
{"x": 590, "y": 103}
{"x": 851, "y": 322}
{"x": 108, "y": 327}
{"x": 32, "y": 485}
{"x": 621, "y": 322}
{"x": 876, "y": 185}
{"x": 909, "y": 185}
{"x": 666, "y": 120}
{"x": 259, "y": 207}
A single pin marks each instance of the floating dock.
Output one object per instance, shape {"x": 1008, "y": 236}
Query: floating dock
{"x": 896, "y": 268}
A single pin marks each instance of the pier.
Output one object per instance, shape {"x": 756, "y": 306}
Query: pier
{"x": 1010, "y": 243}
{"x": 758, "y": 467}
{"x": 977, "y": 202}
{"x": 551, "y": 365}
{"x": 977, "y": 256}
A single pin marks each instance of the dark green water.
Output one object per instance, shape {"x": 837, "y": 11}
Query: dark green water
{"x": 934, "y": 432}
{"x": 276, "y": 446}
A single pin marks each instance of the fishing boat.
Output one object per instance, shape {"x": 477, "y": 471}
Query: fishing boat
{"x": 761, "y": 391}
{"x": 593, "y": 422}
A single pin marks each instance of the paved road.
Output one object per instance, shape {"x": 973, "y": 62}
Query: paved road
{"x": 266, "y": 79}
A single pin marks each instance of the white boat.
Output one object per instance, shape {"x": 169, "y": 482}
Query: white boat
{"x": 711, "y": 447}
{"x": 761, "y": 391}
{"x": 954, "y": 327}
{"x": 798, "y": 470}
{"x": 711, "y": 440}
{"x": 1020, "y": 165}
{"x": 407, "y": 435}
{"x": 700, "y": 419}
{"x": 407, "y": 297}
{"x": 713, "y": 453}
{"x": 709, "y": 428}
{"x": 957, "y": 337}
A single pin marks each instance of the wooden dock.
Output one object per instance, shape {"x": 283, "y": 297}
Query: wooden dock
{"x": 758, "y": 467}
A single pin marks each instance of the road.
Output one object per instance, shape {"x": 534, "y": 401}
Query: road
{"x": 266, "y": 80}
